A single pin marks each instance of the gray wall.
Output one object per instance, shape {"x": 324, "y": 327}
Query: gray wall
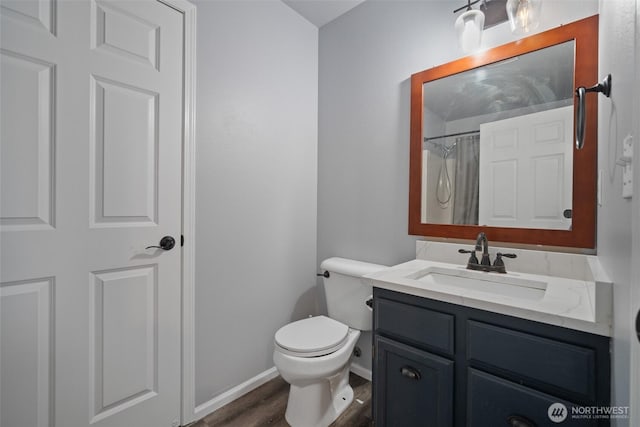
{"x": 366, "y": 59}
{"x": 256, "y": 185}
{"x": 616, "y": 120}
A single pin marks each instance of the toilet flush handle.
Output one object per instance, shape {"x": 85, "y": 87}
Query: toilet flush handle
{"x": 325, "y": 274}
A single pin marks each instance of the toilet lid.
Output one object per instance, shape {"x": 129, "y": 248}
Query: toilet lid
{"x": 318, "y": 335}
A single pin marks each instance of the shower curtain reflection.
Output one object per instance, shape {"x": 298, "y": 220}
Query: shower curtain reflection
{"x": 465, "y": 196}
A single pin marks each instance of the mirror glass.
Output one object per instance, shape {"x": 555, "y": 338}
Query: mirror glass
{"x": 497, "y": 143}
{"x": 492, "y": 142}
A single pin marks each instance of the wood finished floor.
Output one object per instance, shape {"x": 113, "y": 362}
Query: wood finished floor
{"x": 265, "y": 406}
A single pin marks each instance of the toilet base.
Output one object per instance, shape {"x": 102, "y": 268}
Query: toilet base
{"x": 319, "y": 403}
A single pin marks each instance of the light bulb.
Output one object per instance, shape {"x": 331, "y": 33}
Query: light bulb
{"x": 469, "y": 27}
{"x": 524, "y": 15}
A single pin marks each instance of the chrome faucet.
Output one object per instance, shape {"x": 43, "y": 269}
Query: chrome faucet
{"x": 482, "y": 244}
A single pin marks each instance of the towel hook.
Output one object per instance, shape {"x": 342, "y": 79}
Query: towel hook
{"x": 581, "y": 113}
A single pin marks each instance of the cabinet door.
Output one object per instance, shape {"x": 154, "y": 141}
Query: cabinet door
{"x": 494, "y": 401}
{"x": 524, "y": 356}
{"x": 411, "y": 387}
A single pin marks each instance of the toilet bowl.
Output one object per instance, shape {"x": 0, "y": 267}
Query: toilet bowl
{"x": 313, "y": 355}
{"x": 319, "y": 379}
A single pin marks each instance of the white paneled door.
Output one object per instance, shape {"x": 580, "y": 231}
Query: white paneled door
{"x": 90, "y": 175}
{"x": 526, "y": 170}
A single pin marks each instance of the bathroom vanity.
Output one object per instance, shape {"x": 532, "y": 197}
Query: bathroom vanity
{"x": 454, "y": 347}
{"x": 454, "y": 365}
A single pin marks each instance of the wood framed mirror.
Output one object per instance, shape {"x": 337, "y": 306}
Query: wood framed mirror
{"x": 492, "y": 142}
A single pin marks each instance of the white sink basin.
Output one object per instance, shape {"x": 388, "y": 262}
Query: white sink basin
{"x": 476, "y": 281}
{"x": 581, "y": 300}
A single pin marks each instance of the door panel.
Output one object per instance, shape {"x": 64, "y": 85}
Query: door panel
{"x": 39, "y": 14}
{"x": 124, "y": 33}
{"x": 26, "y": 177}
{"x": 504, "y": 198}
{"x": 125, "y": 150}
{"x": 124, "y": 316}
{"x": 84, "y": 191}
{"x": 28, "y": 366}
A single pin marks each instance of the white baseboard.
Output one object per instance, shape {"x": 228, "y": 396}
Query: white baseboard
{"x": 360, "y": 371}
{"x": 240, "y": 390}
{"x": 230, "y": 395}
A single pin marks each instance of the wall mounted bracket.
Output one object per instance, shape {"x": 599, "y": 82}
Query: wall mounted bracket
{"x": 581, "y": 112}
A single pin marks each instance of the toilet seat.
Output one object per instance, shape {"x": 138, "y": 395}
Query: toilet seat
{"x": 312, "y": 337}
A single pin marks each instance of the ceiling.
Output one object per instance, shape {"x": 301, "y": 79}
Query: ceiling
{"x": 524, "y": 81}
{"x": 320, "y": 12}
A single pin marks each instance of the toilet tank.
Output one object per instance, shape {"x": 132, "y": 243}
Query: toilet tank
{"x": 347, "y": 292}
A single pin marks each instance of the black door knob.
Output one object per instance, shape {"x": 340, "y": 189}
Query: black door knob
{"x": 167, "y": 243}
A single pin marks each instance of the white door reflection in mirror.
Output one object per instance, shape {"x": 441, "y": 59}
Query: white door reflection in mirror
{"x": 526, "y": 171}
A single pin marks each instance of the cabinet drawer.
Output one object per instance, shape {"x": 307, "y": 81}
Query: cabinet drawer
{"x": 565, "y": 366}
{"x": 412, "y": 387}
{"x": 426, "y": 328}
{"x": 492, "y": 401}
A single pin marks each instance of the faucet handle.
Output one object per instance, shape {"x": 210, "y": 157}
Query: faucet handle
{"x": 472, "y": 258}
{"x": 498, "y": 262}
{"x": 507, "y": 255}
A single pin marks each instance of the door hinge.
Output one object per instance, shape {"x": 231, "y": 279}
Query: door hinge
{"x": 182, "y": 240}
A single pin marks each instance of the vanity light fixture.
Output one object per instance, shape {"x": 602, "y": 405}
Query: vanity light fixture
{"x": 524, "y": 15}
{"x": 469, "y": 27}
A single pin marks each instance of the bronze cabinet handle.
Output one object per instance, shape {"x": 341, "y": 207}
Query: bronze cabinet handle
{"x": 411, "y": 373}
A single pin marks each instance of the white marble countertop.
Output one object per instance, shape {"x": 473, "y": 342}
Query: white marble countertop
{"x": 577, "y": 301}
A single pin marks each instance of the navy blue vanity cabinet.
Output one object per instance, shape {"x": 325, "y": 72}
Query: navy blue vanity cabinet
{"x": 441, "y": 364}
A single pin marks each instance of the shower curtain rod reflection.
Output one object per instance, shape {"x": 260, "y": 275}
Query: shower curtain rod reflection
{"x": 451, "y": 134}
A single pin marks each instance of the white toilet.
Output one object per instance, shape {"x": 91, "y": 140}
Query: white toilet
{"x": 314, "y": 354}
